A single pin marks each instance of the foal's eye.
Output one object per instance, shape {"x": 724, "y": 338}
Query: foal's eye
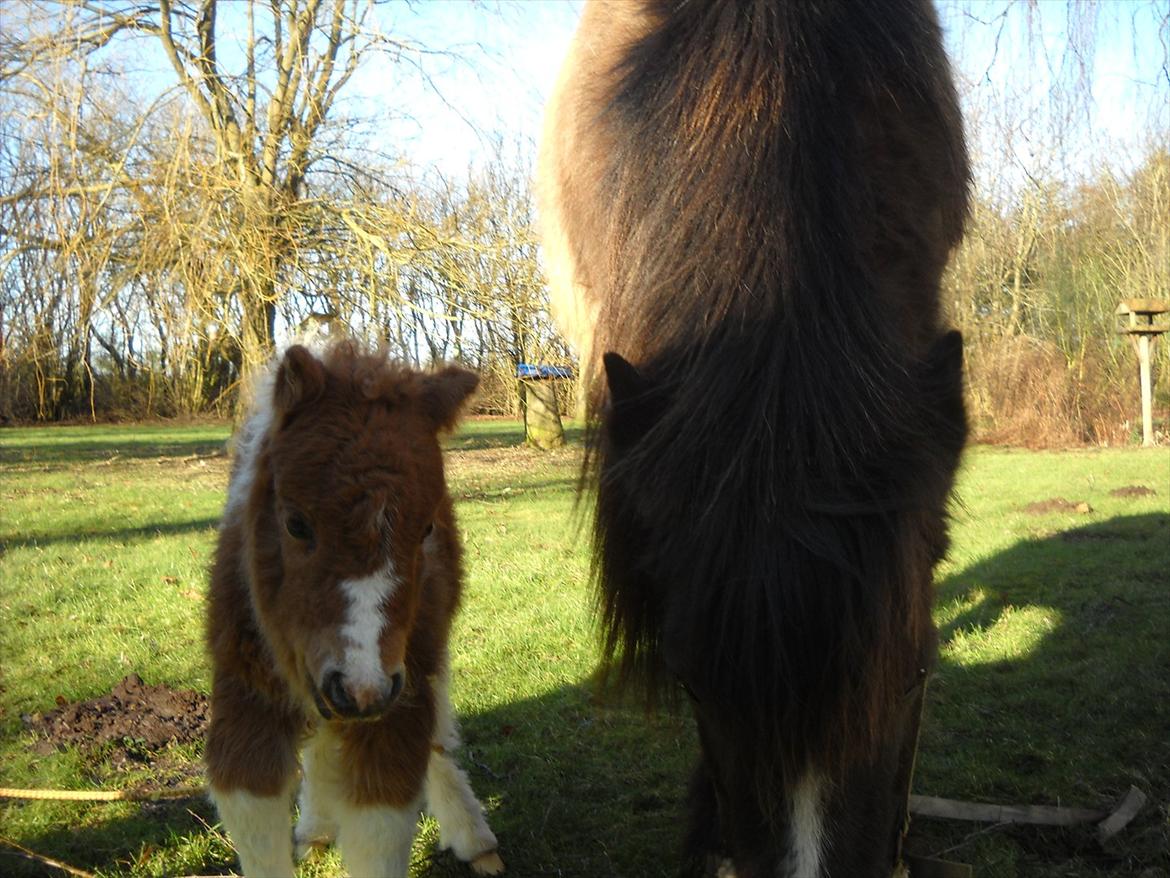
{"x": 298, "y": 528}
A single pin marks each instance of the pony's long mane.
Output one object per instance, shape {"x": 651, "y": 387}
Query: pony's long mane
{"x": 770, "y": 261}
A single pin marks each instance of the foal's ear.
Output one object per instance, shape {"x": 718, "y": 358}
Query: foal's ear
{"x": 635, "y": 403}
{"x": 300, "y": 380}
{"x": 444, "y": 393}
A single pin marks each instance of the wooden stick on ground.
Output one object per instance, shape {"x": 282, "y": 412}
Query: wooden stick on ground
{"x": 46, "y": 861}
{"x": 1109, "y": 823}
{"x": 1046, "y": 815}
{"x": 1126, "y": 810}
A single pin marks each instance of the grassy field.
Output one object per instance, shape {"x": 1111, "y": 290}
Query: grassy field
{"x": 1053, "y": 683}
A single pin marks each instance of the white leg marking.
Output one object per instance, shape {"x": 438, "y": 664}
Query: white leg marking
{"x": 807, "y": 840}
{"x": 462, "y": 826}
{"x": 259, "y": 829}
{"x": 375, "y": 840}
{"x": 321, "y": 792}
{"x": 362, "y": 628}
{"x": 446, "y": 726}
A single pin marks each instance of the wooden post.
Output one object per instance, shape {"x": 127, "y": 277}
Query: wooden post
{"x": 1142, "y": 329}
{"x": 1147, "y": 390}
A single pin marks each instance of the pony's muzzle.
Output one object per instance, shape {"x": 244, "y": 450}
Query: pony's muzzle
{"x": 344, "y": 700}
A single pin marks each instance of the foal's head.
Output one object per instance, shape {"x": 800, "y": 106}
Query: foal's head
{"x": 348, "y": 498}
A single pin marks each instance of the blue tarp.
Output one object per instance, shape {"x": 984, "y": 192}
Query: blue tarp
{"x": 532, "y": 371}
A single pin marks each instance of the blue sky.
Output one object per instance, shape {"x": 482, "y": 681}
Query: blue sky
{"x": 511, "y": 53}
{"x": 1007, "y": 55}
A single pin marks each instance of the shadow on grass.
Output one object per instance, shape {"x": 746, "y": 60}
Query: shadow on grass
{"x": 481, "y": 435}
{"x": 1077, "y": 711}
{"x": 511, "y": 492}
{"x": 126, "y": 534}
{"x": 582, "y": 785}
{"x": 1074, "y": 718}
{"x": 92, "y": 449}
{"x": 116, "y": 845}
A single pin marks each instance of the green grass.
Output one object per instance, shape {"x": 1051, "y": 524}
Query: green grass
{"x": 1053, "y": 682}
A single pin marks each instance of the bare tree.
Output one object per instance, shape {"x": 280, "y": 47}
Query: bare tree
{"x": 264, "y": 79}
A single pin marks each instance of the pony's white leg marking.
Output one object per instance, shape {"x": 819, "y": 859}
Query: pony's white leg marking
{"x": 259, "y": 828}
{"x": 375, "y": 839}
{"x": 321, "y": 792}
{"x": 804, "y": 860}
{"x": 362, "y": 628}
{"x": 462, "y": 825}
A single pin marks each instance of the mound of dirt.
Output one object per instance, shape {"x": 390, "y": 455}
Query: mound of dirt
{"x": 1132, "y": 491}
{"x": 134, "y": 720}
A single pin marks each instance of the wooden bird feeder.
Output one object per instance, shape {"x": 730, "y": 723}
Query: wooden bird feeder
{"x": 1140, "y": 327}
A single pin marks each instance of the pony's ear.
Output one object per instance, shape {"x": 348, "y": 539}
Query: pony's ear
{"x": 625, "y": 381}
{"x": 300, "y": 380}
{"x": 444, "y": 393}
{"x": 635, "y": 404}
{"x": 941, "y": 381}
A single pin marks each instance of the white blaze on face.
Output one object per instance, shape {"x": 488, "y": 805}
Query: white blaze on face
{"x": 362, "y": 628}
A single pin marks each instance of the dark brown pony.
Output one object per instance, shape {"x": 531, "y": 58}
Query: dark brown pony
{"x": 335, "y": 582}
{"x": 747, "y": 209}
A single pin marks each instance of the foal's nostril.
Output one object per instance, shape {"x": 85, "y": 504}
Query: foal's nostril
{"x": 337, "y": 695}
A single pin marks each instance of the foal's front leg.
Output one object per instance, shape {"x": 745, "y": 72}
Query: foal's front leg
{"x": 258, "y": 826}
{"x": 462, "y": 825}
{"x": 322, "y": 792}
{"x": 382, "y": 765}
{"x": 251, "y": 766}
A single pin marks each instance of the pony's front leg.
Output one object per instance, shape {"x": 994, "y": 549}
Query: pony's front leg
{"x": 258, "y": 827}
{"x": 383, "y": 764}
{"x": 251, "y": 766}
{"x": 462, "y": 825}
{"x": 375, "y": 840}
{"x": 322, "y": 792}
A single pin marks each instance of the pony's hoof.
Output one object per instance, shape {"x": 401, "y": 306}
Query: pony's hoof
{"x": 488, "y": 864}
{"x": 303, "y": 846}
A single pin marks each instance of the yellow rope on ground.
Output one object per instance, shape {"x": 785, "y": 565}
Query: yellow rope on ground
{"x": 102, "y": 795}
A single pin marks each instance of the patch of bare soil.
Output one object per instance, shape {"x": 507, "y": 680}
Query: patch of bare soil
{"x": 1058, "y": 504}
{"x": 1132, "y": 491}
{"x": 134, "y": 721}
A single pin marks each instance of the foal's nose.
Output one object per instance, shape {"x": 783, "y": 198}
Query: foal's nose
{"x": 361, "y": 702}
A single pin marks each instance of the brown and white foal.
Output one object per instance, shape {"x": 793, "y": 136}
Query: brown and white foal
{"x": 335, "y": 582}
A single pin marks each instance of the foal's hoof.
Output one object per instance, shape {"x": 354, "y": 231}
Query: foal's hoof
{"x": 304, "y": 845}
{"x": 488, "y": 864}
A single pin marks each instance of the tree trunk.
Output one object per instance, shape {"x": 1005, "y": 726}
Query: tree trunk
{"x": 542, "y": 419}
